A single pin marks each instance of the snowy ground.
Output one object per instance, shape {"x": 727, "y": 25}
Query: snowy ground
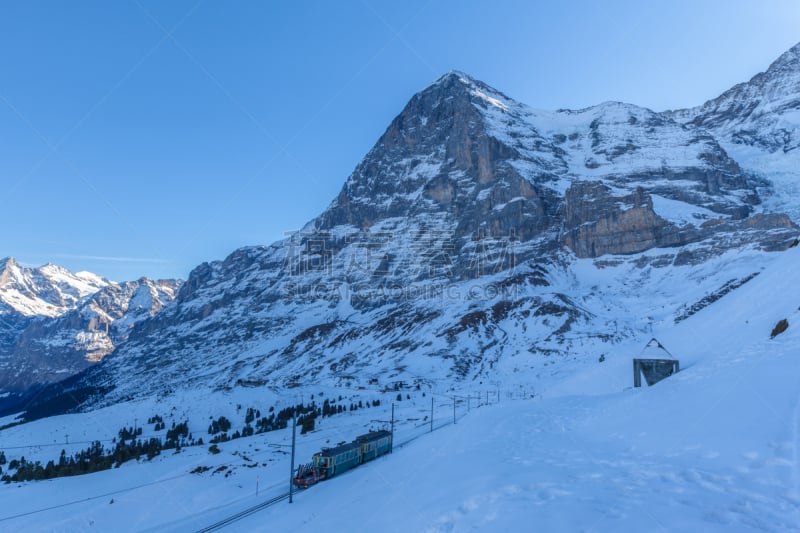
{"x": 714, "y": 448}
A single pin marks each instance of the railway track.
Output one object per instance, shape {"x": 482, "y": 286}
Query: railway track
{"x": 242, "y": 514}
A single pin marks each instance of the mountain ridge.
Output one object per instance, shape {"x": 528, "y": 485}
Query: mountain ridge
{"x": 48, "y": 290}
{"x": 758, "y": 124}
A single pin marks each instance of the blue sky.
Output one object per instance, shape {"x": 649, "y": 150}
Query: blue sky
{"x": 145, "y": 137}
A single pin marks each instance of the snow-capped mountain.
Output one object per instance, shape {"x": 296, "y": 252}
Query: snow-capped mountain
{"x": 45, "y": 292}
{"x": 465, "y": 158}
{"x": 52, "y": 349}
{"x": 758, "y": 124}
{"x": 478, "y": 236}
{"x": 49, "y": 290}
{"x": 54, "y": 323}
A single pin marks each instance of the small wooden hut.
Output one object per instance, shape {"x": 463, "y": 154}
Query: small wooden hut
{"x": 655, "y": 362}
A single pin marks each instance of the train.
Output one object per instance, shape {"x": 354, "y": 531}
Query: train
{"x": 330, "y": 462}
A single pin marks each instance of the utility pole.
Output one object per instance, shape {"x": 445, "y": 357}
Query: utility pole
{"x": 487, "y": 397}
{"x": 454, "y": 410}
{"x": 391, "y": 442}
{"x": 291, "y": 471}
{"x": 431, "y": 413}
{"x": 468, "y": 399}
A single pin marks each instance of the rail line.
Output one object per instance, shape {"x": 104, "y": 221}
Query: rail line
{"x": 242, "y": 514}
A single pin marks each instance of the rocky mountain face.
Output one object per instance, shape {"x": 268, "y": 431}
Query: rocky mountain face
{"x": 465, "y": 158}
{"x": 469, "y": 238}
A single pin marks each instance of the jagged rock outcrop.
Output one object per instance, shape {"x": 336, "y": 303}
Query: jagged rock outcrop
{"x": 598, "y": 223}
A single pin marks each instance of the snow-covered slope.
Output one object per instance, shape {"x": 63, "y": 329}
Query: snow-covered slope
{"x": 713, "y": 448}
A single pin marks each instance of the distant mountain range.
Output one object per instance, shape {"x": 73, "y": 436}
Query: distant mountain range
{"x": 478, "y": 238}
{"x": 54, "y": 323}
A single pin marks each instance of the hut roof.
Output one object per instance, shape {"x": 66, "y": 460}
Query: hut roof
{"x": 655, "y": 350}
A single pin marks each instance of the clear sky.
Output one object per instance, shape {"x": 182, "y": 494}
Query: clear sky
{"x": 143, "y": 137}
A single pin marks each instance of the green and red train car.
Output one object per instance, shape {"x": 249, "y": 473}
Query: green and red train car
{"x": 330, "y": 462}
